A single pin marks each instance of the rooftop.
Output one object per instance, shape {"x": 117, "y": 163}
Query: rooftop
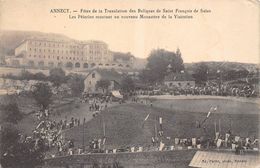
{"x": 110, "y": 75}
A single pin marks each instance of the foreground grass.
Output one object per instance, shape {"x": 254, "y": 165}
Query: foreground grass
{"x": 124, "y": 125}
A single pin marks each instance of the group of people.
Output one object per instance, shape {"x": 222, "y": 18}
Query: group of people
{"x": 242, "y": 90}
{"x": 96, "y": 102}
{"x": 222, "y": 90}
{"x": 226, "y": 142}
{"x": 65, "y": 124}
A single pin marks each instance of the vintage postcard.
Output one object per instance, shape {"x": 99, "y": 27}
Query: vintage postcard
{"x": 129, "y": 83}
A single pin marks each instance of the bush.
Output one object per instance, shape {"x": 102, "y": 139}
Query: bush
{"x": 11, "y": 113}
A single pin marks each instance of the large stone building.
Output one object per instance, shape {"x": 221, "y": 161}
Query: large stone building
{"x": 71, "y": 54}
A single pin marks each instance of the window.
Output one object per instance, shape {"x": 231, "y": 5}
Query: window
{"x": 188, "y": 84}
{"x": 93, "y": 75}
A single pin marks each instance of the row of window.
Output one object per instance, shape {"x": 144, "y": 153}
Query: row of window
{"x": 67, "y": 64}
{"x": 55, "y": 57}
{"x": 70, "y": 58}
{"x": 68, "y": 51}
{"x": 53, "y": 44}
{"x": 70, "y": 64}
{"x": 48, "y": 44}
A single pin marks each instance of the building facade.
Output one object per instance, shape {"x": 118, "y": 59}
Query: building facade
{"x": 179, "y": 80}
{"x": 46, "y": 53}
{"x": 96, "y": 75}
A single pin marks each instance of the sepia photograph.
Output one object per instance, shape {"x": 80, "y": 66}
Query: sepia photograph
{"x": 129, "y": 84}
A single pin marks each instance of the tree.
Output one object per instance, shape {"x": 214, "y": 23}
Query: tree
{"x": 158, "y": 61}
{"x": 122, "y": 56}
{"x": 201, "y": 73}
{"x": 127, "y": 84}
{"x": 103, "y": 84}
{"x": 26, "y": 75}
{"x": 39, "y": 76}
{"x": 16, "y": 152}
{"x": 42, "y": 94}
{"x": 76, "y": 83}
{"x": 11, "y": 113}
{"x": 57, "y": 77}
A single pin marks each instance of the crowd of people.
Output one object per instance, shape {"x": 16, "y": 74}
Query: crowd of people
{"x": 51, "y": 131}
{"x": 227, "y": 141}
{"x": 243, "y": 90}
{"x": 96, "y": 102}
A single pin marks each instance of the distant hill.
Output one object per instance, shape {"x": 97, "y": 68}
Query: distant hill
{"x": 214, "y": 66}
{"x": 140, "y": 63}
{"x": 11, "y": 39}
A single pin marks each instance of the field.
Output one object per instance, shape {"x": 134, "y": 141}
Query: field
{"x": 124, "y": 124}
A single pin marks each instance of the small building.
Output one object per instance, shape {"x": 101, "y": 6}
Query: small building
{"x": 179, "y": 80}
{"x": 101, "y": 74}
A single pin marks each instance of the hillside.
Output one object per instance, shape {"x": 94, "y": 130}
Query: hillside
{"x": 214, "y": 66}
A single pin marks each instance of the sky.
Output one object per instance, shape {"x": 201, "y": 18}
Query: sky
{"x": 230, "y": 32}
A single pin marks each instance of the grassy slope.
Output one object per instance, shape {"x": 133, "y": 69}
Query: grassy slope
{"x": 227, "y": 106}
{"x": 124, "y": 125}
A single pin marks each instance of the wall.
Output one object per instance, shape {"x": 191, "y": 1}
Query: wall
{"x": 90, "y": 83}
{"x": 163, "y": 159}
